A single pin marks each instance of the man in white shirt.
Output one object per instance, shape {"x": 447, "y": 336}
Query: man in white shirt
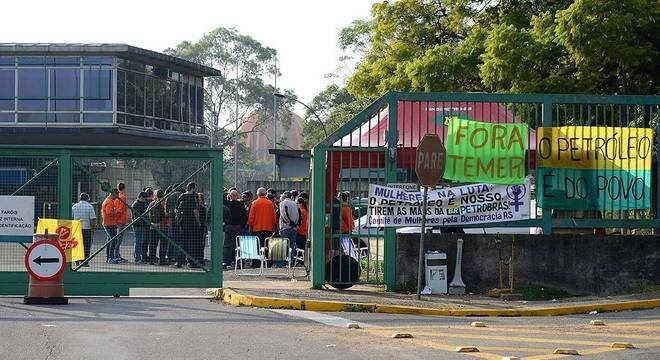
{"x": 84, "y": 211}
{"x": 289, "y": 221}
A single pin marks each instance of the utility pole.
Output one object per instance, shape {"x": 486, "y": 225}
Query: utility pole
{"x": 236, "y": 134}
{"x": 275, "y": 123}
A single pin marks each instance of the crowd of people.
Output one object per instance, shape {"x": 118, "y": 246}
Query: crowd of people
{"x": 266, "y": 216}
{"x": 178, "y": 213}
{"x": 184, "y": 216}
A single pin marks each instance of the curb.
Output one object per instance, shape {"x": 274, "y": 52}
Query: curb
{"x": 231, "y": 297}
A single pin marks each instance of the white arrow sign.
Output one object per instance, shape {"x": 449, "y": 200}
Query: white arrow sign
{"x": 45, "y": 260}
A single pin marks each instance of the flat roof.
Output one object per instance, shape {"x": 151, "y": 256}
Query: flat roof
{"x": 123, "y": 50}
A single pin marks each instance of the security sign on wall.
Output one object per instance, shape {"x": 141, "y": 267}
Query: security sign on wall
{"x": 45, "y": 260}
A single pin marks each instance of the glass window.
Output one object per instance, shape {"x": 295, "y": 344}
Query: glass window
{"x": 6, "y": 89}
{"x": 121, "y": 91}
{"x": 64, "y": 89}
{"x": 7, "y": 60}
{"x": 32, "y": 117}
{"x": 175, "y": 100}
{"x": 135, "y": 121}
{"x": 97, "y": 118}
{"x": 184, "y": 103}
{"x": 130, "y": 92}
{"x": 131, "y": 65}
{"x": 97, "y": 60}
{"x": 67, "y": 60}
{"x": 97, "y": 86}
{"x": 32, "y": 89}
{"x": 33, "y": 60}
{"x": 200, "y": 105}
{"x": 161, "y": 97}
{"x": 63, "y": 118}
{"x": 6, "y": 117}
{"x": 139, "y": 94}
{"x": 149, "y": 96}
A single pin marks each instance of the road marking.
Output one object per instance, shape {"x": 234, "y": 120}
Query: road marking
{"x": 337, "y": 321}
{"x": 320, "y": 318}
{"x": 500, "y": 329}
{"x": 512, "y": 338}
{"x": 633, "y": 323}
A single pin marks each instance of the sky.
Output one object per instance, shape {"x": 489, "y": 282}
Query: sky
{"x": 304, "y": 33}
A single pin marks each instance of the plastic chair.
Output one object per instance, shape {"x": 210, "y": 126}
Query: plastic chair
{"x": 279, "y": 250}
{"x": 301, "y": 258}
{"x": 247, "y": 248}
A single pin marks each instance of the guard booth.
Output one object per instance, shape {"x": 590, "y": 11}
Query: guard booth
{"x": 378, "y": 146}
{"x": 55, "y": 175}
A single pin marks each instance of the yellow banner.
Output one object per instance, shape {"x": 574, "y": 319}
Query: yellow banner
{"x": 595, "y": 147}
{"x": 70, "y": 236}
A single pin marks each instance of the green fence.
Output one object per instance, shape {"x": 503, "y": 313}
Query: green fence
{"x": 56, "y": 175}
{"x": 378, "y": 145}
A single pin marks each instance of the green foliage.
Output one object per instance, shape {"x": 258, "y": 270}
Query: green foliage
{"x": 240, "y": 100}
{"x": 335, "y": 106}
{"x": 582, "y": 46}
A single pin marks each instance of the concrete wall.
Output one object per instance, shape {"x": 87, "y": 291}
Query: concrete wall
{"x": 580, "y": 264}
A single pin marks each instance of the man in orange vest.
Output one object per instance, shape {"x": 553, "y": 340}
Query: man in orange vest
{"x": 110, "y": 218}
{"x": 261, "y": 219}
{"x": 122, "y": 218}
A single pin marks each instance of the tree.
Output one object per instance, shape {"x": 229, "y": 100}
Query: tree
{"x": 242, "y": 88}
{"x": 403, "y": 32}
{"x": 581, "y": 46}
{"x": 241, "y": 91}
{"x": 335, "y": 106}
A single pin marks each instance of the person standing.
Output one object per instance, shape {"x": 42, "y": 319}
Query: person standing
{"x": 173, "y": 231}
{"x": 199, "y": 242}
{"x": 159, "y": 219}
{"x": 110, "y": 219}
{"x": 188, "y": 221}
{"x": 246, "y": 199}
{"x": 84, "y": 211}
{"x": 141, "y": 228}
{"x": 261, "y": 218}
{"x": 233, "y": 228}
{"x": 120, "y": 203}
{"x": 290, "y": 217}
{"x": 346, "y": 214}
{"x": 301, "y": 237}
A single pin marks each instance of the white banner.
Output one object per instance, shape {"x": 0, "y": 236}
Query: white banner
{"x": 468, "y": 204}
{"x": 16, "y": 215}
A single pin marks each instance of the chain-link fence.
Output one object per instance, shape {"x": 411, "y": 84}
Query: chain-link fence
{"x": 147, "y": 216}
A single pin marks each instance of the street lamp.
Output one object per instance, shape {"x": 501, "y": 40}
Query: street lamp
{"x": 305, "y": 105}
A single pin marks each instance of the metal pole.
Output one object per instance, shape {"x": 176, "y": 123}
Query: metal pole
{"x": 236, "y": 135}
{"x": 275, "y": 123}
{"x": 421, "y": 246}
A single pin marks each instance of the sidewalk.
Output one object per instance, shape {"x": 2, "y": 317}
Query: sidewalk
{"x": 283, "y": 293}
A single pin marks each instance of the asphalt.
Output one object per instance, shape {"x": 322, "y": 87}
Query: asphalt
{"x": 159, "y": 328}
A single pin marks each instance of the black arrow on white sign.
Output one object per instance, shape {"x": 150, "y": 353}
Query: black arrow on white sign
{"x": 40, "y": 260}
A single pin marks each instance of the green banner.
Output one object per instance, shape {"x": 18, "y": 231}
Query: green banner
{"x": 479, "y": 152}
{"x": 593, "y": 189}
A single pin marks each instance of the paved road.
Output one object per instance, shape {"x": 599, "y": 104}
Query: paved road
{"x": 134, "y": 328}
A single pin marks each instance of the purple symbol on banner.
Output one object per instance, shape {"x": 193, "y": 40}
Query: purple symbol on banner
{"x": 516, "y": 193}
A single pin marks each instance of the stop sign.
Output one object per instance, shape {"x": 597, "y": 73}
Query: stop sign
{"x": 430, "y": 160}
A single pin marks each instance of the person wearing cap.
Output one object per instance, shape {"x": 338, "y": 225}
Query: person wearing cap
{"x": 289, "y": 221}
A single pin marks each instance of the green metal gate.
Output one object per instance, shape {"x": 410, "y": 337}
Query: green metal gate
{"x": 378, "y": 145}
{"x": 55, "y": 175}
